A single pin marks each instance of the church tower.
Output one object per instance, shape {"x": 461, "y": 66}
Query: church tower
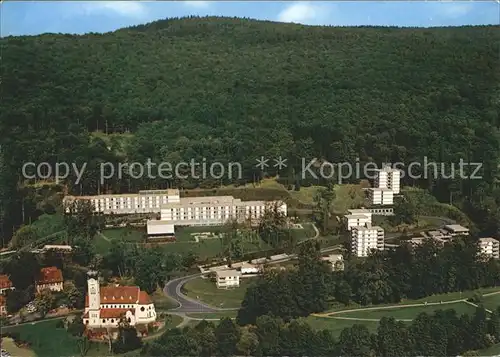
{"x": 94, "y": 295}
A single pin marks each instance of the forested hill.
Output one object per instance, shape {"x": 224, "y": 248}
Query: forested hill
{"x": 233, "y": 89}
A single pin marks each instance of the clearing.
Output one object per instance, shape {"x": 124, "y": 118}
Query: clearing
{"x": 206, "y": 291}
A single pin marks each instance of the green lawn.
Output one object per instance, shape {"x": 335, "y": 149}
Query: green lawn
{"x": 9, "y": 345}
{"x": 336, "y": 326}
{"x": 209, "y": 294}
{"x": 101, "y": 245}
{"x": 432, "y": 298}
{"x": 409, "y": 312}
{"x": 131, "y": 234}
{"x": 214, "y": 315}
{"x": 491, "y": 302}
{"x": 45, "y": 339}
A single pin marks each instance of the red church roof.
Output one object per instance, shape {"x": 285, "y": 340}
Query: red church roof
{"x": 5, "y": 282}
{"x": 121, "y": 295}
{"x": 50, "y": 275}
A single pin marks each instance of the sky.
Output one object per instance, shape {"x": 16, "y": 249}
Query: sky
{"x": 36, "y": 17}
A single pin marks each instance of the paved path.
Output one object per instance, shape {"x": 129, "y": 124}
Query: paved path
{"x": 187, "y": 304}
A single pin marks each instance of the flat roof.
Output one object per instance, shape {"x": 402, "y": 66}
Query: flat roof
{"x": 456, "y": 228}
{"x": 368, "y": 227}
{"x": 384, "y": 189}
{"x": 488, "y": 240}
{"x": 227, "y": 273}
{"x": 359, "y": 210}
{"x": 170, "y": 192}
{"x": 356, "y": 216}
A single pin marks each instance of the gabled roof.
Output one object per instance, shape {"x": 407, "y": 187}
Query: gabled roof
{"x": 122, "y": 295}
{"x": 50, "y": 275}
{"x": 5, "y": 282}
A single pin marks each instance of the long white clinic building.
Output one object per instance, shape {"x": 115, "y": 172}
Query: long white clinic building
{"x": 357, "y": 217}
{"x": 210, "y": 210}
{"x": 146, "y": 201}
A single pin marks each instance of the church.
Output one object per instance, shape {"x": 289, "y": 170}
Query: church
{"x": 105, "y": 306}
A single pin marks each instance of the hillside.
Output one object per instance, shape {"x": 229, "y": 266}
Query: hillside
{"x": 233, "y": 90}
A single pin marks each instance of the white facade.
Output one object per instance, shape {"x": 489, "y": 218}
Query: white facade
{"x": 249, "y": 269}
{"x": 50, "y": 286}
{"x": 456, "y": 230}
{"x": 381, "y": 196}
{"x": 146, "y": 201}
{"x": 227, "y": 279}
{"x": 358, "y": 217}
{"x": 366, "y": 238}
{"x": 212, "y": 210}
{"x": 106, "y": 306}
{"x": 489, "y": 247}
{"x": 388, "y": 178}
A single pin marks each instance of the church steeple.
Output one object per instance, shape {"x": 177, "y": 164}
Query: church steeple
{"x": 94, "y": 295}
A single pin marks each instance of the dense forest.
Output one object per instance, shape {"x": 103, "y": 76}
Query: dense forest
{"x": 231, "y": 90}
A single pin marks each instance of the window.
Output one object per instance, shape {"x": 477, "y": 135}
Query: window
{"x": 142, "y": 308}
{"x": 103, "y": 320}
{"x": 112, "y": 320}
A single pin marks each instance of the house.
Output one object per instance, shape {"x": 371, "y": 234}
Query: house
{"x": 5, "y": 284}
{"x": 227, "y": 279}
{"x": 50, "y": 278}
{"x": 366, "y": 238}
{"x": 489, "y": 247}
{"x": 335, "y": 260}
{"x": 247, "y": 268}
{"x": 106, "y": 306}
{"x": 456, "y": 230}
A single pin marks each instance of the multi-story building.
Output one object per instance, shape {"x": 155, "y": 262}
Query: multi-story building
{"x": 5, "y": 284}
{"x": 3, "y": 305}
{"x": 381, "y": 196}
{"x": 212, "y": 210}
{"x": 388, "y": 177}
{"x": 456, "y": 230}
{"x": 146, "y": 201}
{"x": 365, "y": 238}
{"x": 358, "y": 217}
{"x": 489, "y": 247}
{"x": 227, "y": 279}
{"x": 50, "y": 278}
{"x": 106, "y": 306}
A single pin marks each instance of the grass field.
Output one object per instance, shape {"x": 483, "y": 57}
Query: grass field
{"x": 9, "y": 345}
{"x": 45, "y": 339}
{"x": 214, "y": 315}
{"x": 490, "y": 351}
{"x": 409, "y": 313}
{"x": 206, "y": 291}
{"x": 491, "y": 302}
{"x": 336, "y": 326}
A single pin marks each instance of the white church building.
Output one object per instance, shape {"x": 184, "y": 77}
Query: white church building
{"x": 105, "y": 306}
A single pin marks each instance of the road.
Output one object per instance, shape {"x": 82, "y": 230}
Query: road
{"x": 186, "y": 304}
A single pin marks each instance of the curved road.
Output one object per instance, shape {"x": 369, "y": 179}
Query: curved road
{"x": 187, "y": 304}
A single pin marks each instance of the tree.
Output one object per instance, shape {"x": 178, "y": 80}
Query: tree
{"x": 44, "y": 301}
{"x": 227, "y": 335}
{"x": 127, "y": 339}
{"x": 323, "y": 201}
{"x": 248, "y": 343}
{"x": 355, "y": 341}
{"x": 83, "y": 345}
{"x": 74, "y": 296}
{"x": 23, "y": 269}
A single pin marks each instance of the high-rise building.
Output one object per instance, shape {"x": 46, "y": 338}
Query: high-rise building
{"x": 365, "y": 238}
{"x": 388, "y": 177}
{"x": 489, "y": 247}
